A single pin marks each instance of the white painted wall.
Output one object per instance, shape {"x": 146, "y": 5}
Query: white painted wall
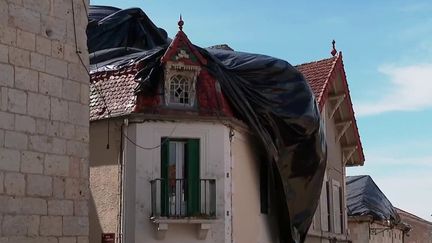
{"x": 144, "y": 165}
{"x": 335, "y": 175}
{"x": 249, "y": 224}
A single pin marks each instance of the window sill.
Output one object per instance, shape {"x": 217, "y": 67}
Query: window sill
{"x": 203, "y": 225}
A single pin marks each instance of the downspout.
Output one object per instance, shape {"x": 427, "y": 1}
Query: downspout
{"x": 120, "y": 221}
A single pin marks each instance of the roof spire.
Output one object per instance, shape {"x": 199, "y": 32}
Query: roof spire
{"x": 333, "y": 52}
{"x": 180, "y": 23}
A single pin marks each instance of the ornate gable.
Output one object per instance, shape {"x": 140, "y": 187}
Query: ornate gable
{"x": 182, "y": 67}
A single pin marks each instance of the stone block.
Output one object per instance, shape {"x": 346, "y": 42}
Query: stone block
{"x": 14, "y": 184}
{"x": 16, "y": 140}
{"x": 82, "y": 134}
{"x": 67, "y": 240}
{"x": 71, "y": 90}
{"x": 60, "y": 207}
{"x": 50, "y": 85}
{"x": 10, "y": 205}
{"x": 3, "y": 98}
{"x": 6, "y": 120}
{"x": 26, "y": 40}
{"x": 70, "y": 54}
{"x": 81, "y": 208}
{"x": 43, "y": 45}
{"x": 53, "y": 27}
{"x": 59, "y": 110}
{"x": 26, "y": 79}
{"x": 7, "y": 75}
{"x": 2, "y": 138}
{"x": 1, "y": 183}
{"x": 39, "y": 185}
{"x": 9, "y": 160}
{"x": 78, "y": 114}
{"x": 72, "y": 188}
{"x": 74, "y": 167}
{"x": 57, "y": 49}
{"x": 41, "y": 125}
{"x": 78, "y": 149}
{"x": 58, "y": 145}
{"x": 33, "y": 206}
{"x": 41, "y": 6}
{"x": 14, "y": 225}
{"x": 19, "y": 57}
{"x": 76, "y": 226}
{"x": 82, "y": 240}
{"x": 67, "y": 130}
{"x": 38, "y": 105}
{"x": 58, "y": 187}
{"x": 24, "y": 18}
{"x": 62, "y": 9}
{"x": 51, "y": 225}
{"x": 7, "y": 35}
{"x": 56, "y": 67}
{"x": 37, "y": 61}
{"x": 17, "y": 101}
{"x": 52, "y": 128}
{"x": 25, "y": 123}
{"x": 57, "y": 165}
{"x": 4, "y": 54}
{"x": 85, "y": 94}
{"x": 32, "y": 162}
{"x": 77, "y": 72}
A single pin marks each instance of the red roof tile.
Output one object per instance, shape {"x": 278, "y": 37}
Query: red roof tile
{"x": 112, "y": 93}
{"x": 317, "y": 74}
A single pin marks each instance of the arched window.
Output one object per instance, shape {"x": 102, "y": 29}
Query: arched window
{"x": 179, "y": 90}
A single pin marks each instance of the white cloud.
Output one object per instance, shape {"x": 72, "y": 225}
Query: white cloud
{"x": 410, "y": 90}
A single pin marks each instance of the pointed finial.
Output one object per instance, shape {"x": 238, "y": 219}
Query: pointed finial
{"x": 180, "y": 23}
{"x": 333, "y": 52}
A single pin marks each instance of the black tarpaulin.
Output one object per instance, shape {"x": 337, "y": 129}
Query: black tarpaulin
{"x": 365, "y": 198}
{"x": 266, "y": 93}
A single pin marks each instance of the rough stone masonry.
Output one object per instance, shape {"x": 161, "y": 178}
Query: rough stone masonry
{"x": 44, "y": 121}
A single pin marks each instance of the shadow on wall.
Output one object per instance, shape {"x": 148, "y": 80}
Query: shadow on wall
{"x": 95, "y": 226}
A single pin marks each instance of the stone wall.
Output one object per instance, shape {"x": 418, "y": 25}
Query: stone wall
{"x": 44, "y": 124}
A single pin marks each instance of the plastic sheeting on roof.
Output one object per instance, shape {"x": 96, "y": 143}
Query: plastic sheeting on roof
{"x": 267, "y": 93}
{"x": 365, "y": 198}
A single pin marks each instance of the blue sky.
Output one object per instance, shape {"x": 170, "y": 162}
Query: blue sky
{"x": 387, "y": 48}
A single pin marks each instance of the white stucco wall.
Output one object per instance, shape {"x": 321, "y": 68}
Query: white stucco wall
{"x": 144, "y": 165}
{"x": 335, "y": 174}
{"x": 249, "y": 224}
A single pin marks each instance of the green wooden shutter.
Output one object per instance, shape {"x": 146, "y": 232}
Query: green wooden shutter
{"x": 164, "y": 176}
{"x": 193, "y": 179}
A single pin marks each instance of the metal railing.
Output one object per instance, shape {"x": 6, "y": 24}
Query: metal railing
{"x": 175, "y": 198}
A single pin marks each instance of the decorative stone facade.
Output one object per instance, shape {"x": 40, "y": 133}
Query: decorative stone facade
{"x": 44, "y": 121}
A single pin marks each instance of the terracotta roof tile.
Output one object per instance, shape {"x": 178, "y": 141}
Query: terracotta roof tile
{"x": 112, "y": 93}
{"x": 317, "y": 74}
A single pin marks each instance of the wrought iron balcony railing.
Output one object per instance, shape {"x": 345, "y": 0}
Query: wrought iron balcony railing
{"x": 181, "y": 198}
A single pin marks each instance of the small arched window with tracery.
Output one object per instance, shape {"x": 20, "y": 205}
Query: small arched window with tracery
{"x": 180, "y": 90}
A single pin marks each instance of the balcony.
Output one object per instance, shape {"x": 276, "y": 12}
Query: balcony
{"x": 178, "y": 198}
{"x": 181, "y": 201}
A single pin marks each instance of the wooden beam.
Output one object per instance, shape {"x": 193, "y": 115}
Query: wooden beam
{"x": 336, "y": 96}
{"x": 348, "y": 151}
{"x": 345, "y": 127}
{"x": 340, "y": 123}
{"x": 339, "y": 99}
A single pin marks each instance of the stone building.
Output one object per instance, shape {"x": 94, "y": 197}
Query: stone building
{"x": 44, "y": 121}
{"x": 421, "y": 229}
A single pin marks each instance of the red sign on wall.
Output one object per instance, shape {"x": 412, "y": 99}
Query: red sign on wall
{"x": 108, "y": 237}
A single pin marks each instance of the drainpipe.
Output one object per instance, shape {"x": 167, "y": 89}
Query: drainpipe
{"x": 120, "y": 220}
